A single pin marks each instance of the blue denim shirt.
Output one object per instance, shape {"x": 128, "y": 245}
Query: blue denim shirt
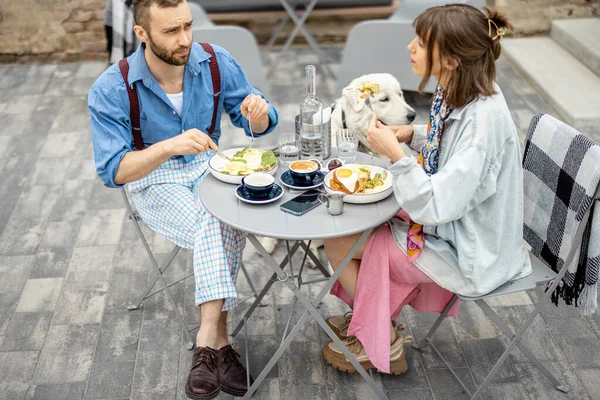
{"x": 472, "y": 208}
{"x": 109, "y": 106}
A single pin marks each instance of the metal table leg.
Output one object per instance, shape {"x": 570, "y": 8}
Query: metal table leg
{"x": 310, "y": 309}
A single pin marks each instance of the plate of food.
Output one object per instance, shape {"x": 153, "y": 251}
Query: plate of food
{"x": 242, "y": 162}
{"x": 362, "y": 183}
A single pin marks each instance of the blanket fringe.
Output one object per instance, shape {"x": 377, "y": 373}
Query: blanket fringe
{"x": 588, "y": 299}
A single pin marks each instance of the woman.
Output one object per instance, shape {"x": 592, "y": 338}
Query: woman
{"x": 461, "y": 227}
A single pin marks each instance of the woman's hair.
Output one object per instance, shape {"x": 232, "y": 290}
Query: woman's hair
{"x": 471, "y": 38}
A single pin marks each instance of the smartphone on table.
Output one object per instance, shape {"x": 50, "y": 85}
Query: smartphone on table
{"x": 302, "y": 203}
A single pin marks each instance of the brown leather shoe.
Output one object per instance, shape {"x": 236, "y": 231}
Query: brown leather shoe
{"x": 203, "y": 380}
{"x": 233, "y": 374}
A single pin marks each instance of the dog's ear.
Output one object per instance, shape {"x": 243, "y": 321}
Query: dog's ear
{"x": 353, "y": 98}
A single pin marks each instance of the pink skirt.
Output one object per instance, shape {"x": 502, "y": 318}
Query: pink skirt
{"x": 387, "y": 281}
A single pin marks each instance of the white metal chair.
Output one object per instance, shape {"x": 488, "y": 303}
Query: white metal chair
{"x": 240, "y": 42}
{"x": 542, "y": 274}
{"x": 380, "y": 45}
{"x": 135, "y": 218}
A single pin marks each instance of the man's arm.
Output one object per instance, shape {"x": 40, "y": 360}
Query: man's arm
{"x": 116, "y": 161}
{"x": 236, "y": 90}
{"x": 138, "y": 164}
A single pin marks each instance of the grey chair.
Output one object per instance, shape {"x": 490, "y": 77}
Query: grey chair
{"x": 238, "y": 41}
{"x": 541, "y": 275}
{"x": 134, "y": 216}
{"x": 380, "y": 46}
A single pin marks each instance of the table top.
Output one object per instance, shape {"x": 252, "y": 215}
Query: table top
{"x": 218, "y": 198}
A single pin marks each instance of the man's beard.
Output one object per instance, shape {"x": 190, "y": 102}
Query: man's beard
{"x": 168, "y": 57}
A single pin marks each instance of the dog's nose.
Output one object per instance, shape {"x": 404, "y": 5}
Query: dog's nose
{"x": 411, "y": 116}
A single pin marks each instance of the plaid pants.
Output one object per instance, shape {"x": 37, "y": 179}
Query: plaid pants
{"x": 168, "y": 200}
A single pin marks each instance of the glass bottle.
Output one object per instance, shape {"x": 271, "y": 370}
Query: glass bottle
{"x": 311, "y": 116}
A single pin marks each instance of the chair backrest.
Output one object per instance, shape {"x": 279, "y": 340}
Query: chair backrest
{"x": 408, "y": 10}
{"x": 561, "y": 172}
{"x": 199, "y": 16}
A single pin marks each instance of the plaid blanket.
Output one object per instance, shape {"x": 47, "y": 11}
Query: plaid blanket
{"x": 118, "y": 19}
{"x": 561, "y": 175}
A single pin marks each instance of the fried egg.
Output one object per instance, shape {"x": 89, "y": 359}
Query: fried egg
{"x": 347, "y": 178}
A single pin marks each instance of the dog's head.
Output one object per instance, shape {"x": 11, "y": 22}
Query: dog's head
{"x": 387, "y": 102}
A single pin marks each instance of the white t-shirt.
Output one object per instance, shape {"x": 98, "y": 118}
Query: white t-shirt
{"x": 177, "y": 101}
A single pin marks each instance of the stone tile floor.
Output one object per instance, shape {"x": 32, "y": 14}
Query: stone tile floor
{"x": 70, "y": 262}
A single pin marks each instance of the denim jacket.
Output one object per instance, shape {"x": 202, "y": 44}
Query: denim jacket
{"x": 472, "y": 208}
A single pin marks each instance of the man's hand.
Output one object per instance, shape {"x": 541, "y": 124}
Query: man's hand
{"x": 191, "y": 141}
{"x": 382, "y": 139}
{"x": 404, "y": 133}
{"x": 256, "y": 106}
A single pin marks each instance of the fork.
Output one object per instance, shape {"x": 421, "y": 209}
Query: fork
{"x": 251, "y": 133}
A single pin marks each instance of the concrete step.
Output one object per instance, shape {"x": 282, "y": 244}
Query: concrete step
{"x": 581, "y": 38}
{"x": 571, "y": 88}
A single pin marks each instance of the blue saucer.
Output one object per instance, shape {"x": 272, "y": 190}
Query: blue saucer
{"x": 275, "y": 194}
{"x": 287, "y": 180}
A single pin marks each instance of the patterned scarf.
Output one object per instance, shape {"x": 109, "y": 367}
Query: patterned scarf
{"x": 428, "y": 158}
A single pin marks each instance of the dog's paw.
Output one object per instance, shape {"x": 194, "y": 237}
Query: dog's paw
{"x": 269, "y": 244}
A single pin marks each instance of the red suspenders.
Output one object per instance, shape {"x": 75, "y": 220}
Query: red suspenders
{"x": 134, "y": 104}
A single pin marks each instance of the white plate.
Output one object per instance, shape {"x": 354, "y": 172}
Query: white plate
{"x": 369, "y": 197}
{"x": 215, "y": 163}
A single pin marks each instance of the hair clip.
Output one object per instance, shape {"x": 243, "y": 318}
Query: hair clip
{"x": 500, "y": 32}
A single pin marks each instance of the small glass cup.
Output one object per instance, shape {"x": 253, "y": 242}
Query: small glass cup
{"x": 289, "y": 149}
{"x": 347, "y": 144}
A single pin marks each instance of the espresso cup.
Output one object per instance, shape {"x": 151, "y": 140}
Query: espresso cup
{"x": 258, "y": 185}
{"x": 303, "y": 171}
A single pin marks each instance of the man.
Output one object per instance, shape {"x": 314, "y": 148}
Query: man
{"x": 172, "y": 79}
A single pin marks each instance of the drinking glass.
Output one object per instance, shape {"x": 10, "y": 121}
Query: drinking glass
{"x": 289, "y": 149}
{"x": 347, "y": 144}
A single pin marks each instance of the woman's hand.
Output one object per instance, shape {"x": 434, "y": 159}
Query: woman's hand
{"x": 383, "y": 140}
{"x": 404, "y": 133}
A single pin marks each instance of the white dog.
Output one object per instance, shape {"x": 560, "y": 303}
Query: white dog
{"x": 352, "y": 112}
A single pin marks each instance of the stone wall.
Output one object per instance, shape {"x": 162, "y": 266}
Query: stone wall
{"x": 52, "y": 30}
{"x": 535, "y": 16}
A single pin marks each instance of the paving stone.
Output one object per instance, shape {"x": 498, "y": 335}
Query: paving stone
{"x": 60, "y": 235}
{"x": 413, "y": 378}
{"x": 482, "y": 355}
{"x": 409, "y": 395}
{"x": 67, "y": 354}
{"x": 445, "y": 386}
{"x": 22, "y": 104}
{"x": 537, "y": 338}
{"x": 62, "y": 391}
{"x": 513, "y": 299}
{"x": 50, "y": 171}
{"x": 91, "y": 70}
{"x": 507, "y": 391}
{"x": 59, "y": 145}
{"x": 39, "y": 295}
{"x": 549, "y": 310}
{"x": 36, "y": 201}
{"x": 39, "y": 123}
{"x": 578, "y": 342}
{"x": 304, "y": 392}
{"x": 445, "y": 342}
{"x": 105, "y": 198}
{"x": 262, "y": 349}
{"x": 41, "y": 70}
{"x": 159, "y": 306}
{"x": 472, "y": 323}
{"x": 8, "y": 303}
{"x": 101, "y": 228}
{"x": 66, "y": 70}
{"x": 301, "y": 365}
{"x": 14, "y": 271}
{"x": 155, "y": 375}
{"x": 118, "y": 341}
{"x": 69, "y": 87}
{"x": 110, "y": 380}
{"x": 51, "y": 263}
{"x": 26, "y": 331}
{"x": 540, "y": 388}
{"x": 22, "y": 236}
{"x": 72, "y": 204}
{"x": 125, "y": 290}
{"x": 160, "y": 335}
{"x": 13, "y": 124}
{"x": 590, "y": 379}
{"x": 15, "y": 374}
{"x": 82, "y": 298}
